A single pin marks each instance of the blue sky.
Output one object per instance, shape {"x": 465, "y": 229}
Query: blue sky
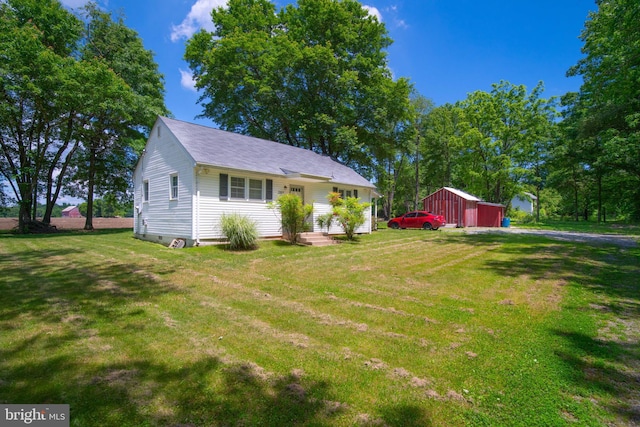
{"x": 446, "y": 48}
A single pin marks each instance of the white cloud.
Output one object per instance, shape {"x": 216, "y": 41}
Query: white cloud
{"x": 373, "y": 12}
{"x": 186, "y": 80}
{"x": 401, "y": 23}
{"x": 198, "y": 17}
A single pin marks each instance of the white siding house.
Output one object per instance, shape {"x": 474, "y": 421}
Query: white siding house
{"x": 524, "y": 202}
{"x": 189, "y": 175}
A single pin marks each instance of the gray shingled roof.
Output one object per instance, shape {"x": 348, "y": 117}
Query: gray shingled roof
{"x": 215, "y": 147}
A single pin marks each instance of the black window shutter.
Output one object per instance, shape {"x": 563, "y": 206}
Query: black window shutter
{"x": 224, "y": 186}
{"x": 269, "y": 185}
{"x": 355, "y": 193}
{"x": 335, "y": 189}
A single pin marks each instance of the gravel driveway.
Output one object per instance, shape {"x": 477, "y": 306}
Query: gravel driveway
{"x": 622, "y": 240}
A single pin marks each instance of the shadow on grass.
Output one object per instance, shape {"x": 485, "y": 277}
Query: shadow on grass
{"x": 61, "y": 308}
{"x": 605, "y": 367}
{"x": 605, "y": 363}
{"x": 203, "y": 393}
{"x": 47, "y": 285}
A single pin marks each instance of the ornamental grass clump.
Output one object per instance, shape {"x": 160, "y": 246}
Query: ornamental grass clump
{"x": 240, "y": 230}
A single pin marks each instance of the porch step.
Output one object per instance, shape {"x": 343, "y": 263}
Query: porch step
{"x": 315, "y": 239}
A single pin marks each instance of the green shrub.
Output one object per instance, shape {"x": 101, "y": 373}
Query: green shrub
{"x": 325, "y": 221}
{"x": 294, "y": 215}
{"x": 349, "y": 213}
{"x": 521, "y": 217}
{"x": 240, "y": 230}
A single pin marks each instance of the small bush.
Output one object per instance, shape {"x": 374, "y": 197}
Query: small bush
{"x": 294, "y": 215}
{"x": 240, "y": 230}
{"x": 521, "y": 217}
{"x": 349, "y": 213}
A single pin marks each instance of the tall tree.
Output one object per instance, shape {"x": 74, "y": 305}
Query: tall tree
{"x": 420, "y": 109}
{"x": 442, "y": 141}
{"x": 70, "y": 95}
{"x": 118, "y": 119}
{"x": 506, "y": 129}
{"x": 541, "y": 131}
{"x": 610, "y": 93}
{"x": 309, "y": 75}
{"x": 37, "y": 87}
{"x": 391, "y": 143}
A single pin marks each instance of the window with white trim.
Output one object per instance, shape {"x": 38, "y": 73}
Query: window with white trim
{"x": 173, "y": 180}
{"x": 145, "y": 190}
{"x": 245, "y": 188}
{"x": 255, "y": 189}
{"x": 237, "y": 187}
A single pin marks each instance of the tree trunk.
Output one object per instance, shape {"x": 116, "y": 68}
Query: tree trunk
{"x": 575, "y": 199}
{"x": 52, "y": 196}
{"x": 24, "y": 217}
{"x": 537, "y": 203}
{"x": 88, "y": 224}
{"x": 599, "y": 178}
{"x": 417, "y": 188}
{"x": 26, "y": 204}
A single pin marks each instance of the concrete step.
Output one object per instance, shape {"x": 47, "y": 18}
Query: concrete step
{"x": 315, "y": 239}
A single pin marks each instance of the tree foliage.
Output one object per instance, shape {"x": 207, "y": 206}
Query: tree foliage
{"x": 39, "y": 83}
{"x": 125, "y": 109}
{"x": 492, "y": 144}
{"x": 312, "y": 75}
{"x": 605, "y": 114}
{"x": 64, "y": 95}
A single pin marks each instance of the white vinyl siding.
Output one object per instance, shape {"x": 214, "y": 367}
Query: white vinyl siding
{"x": 162, "y": 214}
{"x": 211, "y": 207}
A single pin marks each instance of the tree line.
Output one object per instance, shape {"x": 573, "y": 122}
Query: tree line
{"x": 80, "y": 94}
{"x": 315, "y": 75}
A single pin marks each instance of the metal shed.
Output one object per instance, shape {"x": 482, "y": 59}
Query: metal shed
{"x": 490, "y": 214}
{"x": 463, "y": 209}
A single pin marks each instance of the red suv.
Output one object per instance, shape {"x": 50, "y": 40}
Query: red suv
{"x": 417, "y": 219}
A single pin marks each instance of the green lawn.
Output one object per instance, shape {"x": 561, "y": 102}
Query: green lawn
{"x": 402, "y": 328}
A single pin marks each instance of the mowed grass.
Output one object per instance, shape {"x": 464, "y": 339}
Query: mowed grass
{"x": 401, "y": 328}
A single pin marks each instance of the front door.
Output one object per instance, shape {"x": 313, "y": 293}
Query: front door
{"x": 298, "y": 190}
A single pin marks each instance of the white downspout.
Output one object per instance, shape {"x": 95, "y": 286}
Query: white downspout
{"x": 197, "y": 209}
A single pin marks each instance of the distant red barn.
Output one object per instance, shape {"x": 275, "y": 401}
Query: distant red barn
{"x": 462, "y": 209}
{"x": 71, "y": 212}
